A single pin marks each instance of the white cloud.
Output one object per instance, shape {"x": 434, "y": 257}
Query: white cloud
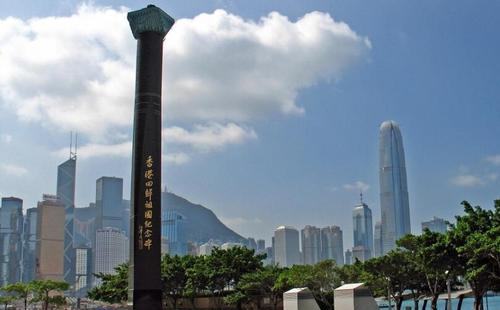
{"x": 91, "y": 150}
{"x": 467, "y": 180}
{"x": 176, "y": 158}
{"x": 494, "y": 159}
{"x": 6, "y": 138}
{"x": 357, "y": 186}
{"x": 208, "y": 137}
{"x": 13, "y": 170}
{"x": 77, "y": 72}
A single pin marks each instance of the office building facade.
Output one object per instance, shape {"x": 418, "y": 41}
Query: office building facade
{"x": 111, "y": 250}
{"x": 66, "y": 179}
{"x": 377, "y": 240}
{"x": 394, "y": 202}
{"x": 173, "y": 232}
{"x": 332, "y": 244}
{"x": 11, "y": 228}
{"x": 29, "y": 245}
{"x": 286, "y": 246}
{"x": 51, "y": 217}
{"x": 437, "y": 224}
{"x": 109, "y": 203}
{"x": 362, "y": 228}
{"x": 311, "y": 245}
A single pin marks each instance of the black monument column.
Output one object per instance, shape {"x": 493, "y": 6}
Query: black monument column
{"x": 149, "y": 26}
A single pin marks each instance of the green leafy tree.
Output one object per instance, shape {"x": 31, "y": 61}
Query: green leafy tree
{"x": 174, "y": 276}
{"x": 474, "y": 238}
{"x": 113, "y": 288}
{"x": 20, "y": 290}
{"x": 434, "y": 261}
{"x": 253, "y": 286}
{"x": 393, "y": 269}
{"x": 6, "y": 300}
{"x": 46, "y": 292}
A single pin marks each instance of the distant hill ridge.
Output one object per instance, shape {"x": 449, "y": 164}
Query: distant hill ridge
{"x": 201, "y": 223}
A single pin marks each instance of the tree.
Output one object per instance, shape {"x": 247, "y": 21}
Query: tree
{"x": 20, "y": 290}
{"x": 113, "y": 288}
{"x": 174, "y": 276}
{"x": 435, "y": 260}
{"x": 477, "y": 246}
{"x": 393, "y": 269}
{"x": 6, "y": 300}
{"x": 252, "y": 286}
{"x": 45, "y": 290}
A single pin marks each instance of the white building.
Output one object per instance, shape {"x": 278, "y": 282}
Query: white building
{"x": 111, "y": 249}
{"x": 286, "y": 246}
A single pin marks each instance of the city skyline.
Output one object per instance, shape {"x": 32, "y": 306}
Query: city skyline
{"x": 243, "y": 160}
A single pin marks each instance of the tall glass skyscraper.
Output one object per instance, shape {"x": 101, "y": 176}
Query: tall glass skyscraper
{"x": 11, "y": 228}
{"x": 109, "y": 202}
{"x": 332, "y": 244}
{"x": 363, "y": 228}
{"x": 173, "y": 232}
{"x": 66, "y": 177}
{"x": 286, "y": 246}
{"x": 311, "y": 245}
{"x": 393, "y": 187}
{"x": 29, "y": 246}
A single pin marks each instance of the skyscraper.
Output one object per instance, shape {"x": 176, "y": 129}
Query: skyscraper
{"x": 252, "y": 244}
{"x": 50, "y": 245}
{"x": 377, "y": 240}
{"x": 111, "y": 249}
{"x": 436, "y": 225}
{"x": 66, "y": 176}
{"x": 83, "y": 271}
{"x": 261, "y": 245}
{"x": 173, "y": 232}
{"x": 363, "y": 229}
{"x": 11, "y": 228}
{"x": 311, "y": 245}
{"x": 84, "y": 226}
{"x": 286, "y": 246}
{"x": 29, "y": 245}
{"x": 332, "y": 244}
{"x": 393, "y": 186}
{"x": 109, "y": 202}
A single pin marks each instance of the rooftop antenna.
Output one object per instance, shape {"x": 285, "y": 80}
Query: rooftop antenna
{"x": 70, "y": 143}
{"x": 72, "y": 153}
{"x": 361, "y": 196}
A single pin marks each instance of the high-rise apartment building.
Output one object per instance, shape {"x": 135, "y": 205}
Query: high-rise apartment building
{"x": 311, "y": 245}
{"x": 66, "y": 178}
{"x": 393, "y": 186}
{"x": 109, "y": 202}
{"x": 11, "y": 228}
{"x": 362, "y": 228}
{"x": 111, "y": 250}
{"x": 360, "y": 253}
{"x": 377, "y": 240}
{"x": 29, "y": 245}
{"x": 286, "y": 246}
{"x": 332, "y": 244}
{"x": 51, "y": 217}
{"x": 437, "y": 224}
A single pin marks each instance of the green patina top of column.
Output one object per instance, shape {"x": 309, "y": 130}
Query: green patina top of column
{"x": 149, "y": 19}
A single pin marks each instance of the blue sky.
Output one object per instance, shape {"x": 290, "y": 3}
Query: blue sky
{"x": 273, "y": 123}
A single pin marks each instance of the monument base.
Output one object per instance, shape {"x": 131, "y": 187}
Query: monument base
{"x": 147, "y": 299}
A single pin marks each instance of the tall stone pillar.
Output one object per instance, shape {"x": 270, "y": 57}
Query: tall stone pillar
{"x": 149, "y": 26}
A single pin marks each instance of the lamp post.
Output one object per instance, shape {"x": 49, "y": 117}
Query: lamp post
{"x": 448, "y": 285}
{"x": 389, "y": 292}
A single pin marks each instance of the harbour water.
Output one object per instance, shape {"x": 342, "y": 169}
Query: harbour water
{"x": 490, "y": 303}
